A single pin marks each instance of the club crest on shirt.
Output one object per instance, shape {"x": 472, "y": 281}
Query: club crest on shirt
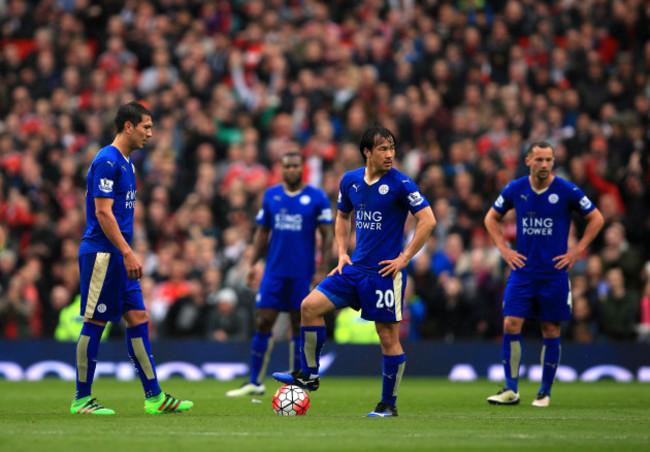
{"x": 106, "y": 185}
{"x": 383, "y": 189}
{"x": 305, "y": 199}
{"x": 553, "y": 198}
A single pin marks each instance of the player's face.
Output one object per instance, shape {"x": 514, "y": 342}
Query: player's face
{"x": 540, "y": 162}
{"x": 292, "y": 171}
{"x": 380, "y": 158}
{"x": 140, "y": 133}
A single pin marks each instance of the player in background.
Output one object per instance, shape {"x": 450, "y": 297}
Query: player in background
{"x": 110, "y": 270}
{"x": 374, "y": 278}
{"x": 291, "y": 214}
{"x": 538, "y": 285}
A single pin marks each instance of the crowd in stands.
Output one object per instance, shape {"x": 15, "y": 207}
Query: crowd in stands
{"x": 464, "y": 85}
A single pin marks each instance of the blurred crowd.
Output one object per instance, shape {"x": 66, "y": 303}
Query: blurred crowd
{"x": 464, "y": 85}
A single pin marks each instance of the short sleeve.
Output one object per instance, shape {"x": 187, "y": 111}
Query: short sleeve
{"x": 104, "y": 179}
{"x": 263, "y": 217}
{"x": 504, "y": 202}
{"x": 343, "y": 202}
{"x": 324, "y": 209}
{"x": 413, "y": 198}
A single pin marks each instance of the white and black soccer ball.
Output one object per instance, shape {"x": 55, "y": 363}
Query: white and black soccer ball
{"x": 290, "y": 400}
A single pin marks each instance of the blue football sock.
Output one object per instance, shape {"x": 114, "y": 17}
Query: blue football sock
{"x": 260, "y": 352}
{"x": 393, "y": 369}
{"x": 312, "y": 339}
{"x": 511, "y": 353}
{"x": 550, "y": 362}
{"x": 86, "y": 361}
{"x": 139, "y": 347}
{"x": 294, "y": 361}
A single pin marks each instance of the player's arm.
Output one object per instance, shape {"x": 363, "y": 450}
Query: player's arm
{"x": 426, "y": 221}
{"x": 260, "y": 241}
{"x": 342, "y": 229}
{"x": 326, "y": 237}
{"x": 595, "y": 223}
{"x": 493, "y": 225}
{"x": 106, "y": 218}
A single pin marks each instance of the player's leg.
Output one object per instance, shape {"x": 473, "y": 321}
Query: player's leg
{"x": 138, "y": 345}
{"x": 294, "y": 348}
{"x": 393, "y": 363}
{"x": 312, "y": 340}
{"x": 261, "y": 348}
{"x": 550, "y": 359}
{"x": 555, "y": 306}
{"x": 511, "y": 348}
{"x": 100, "y": 294}
{"x": 299, "y": 290}
{"x": 382, "y": 302}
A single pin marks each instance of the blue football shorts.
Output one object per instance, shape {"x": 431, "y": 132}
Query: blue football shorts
{"x": 282, "y": 294}
{"x": 546, "y": 297}
{"x": 379, "y": 298}
{"x": 106, "y": 291}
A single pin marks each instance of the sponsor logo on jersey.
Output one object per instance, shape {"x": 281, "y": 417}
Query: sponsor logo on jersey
{"x": 415, "y": 198}
{"x": 553, "y": 198}
{"x": 368, "y": 219}
{"x": 356, "y": 187}
{"x": 499, "y": 202}
{"x": 585, "y": 203}
{"x": 305, "y": 199}
{"x": 525, "y": 197}
{"x": 106, "y": 185}
{"x": 130, "y": 199}
{"x": 288, "y": 221}
{"x": 537, "y": 226}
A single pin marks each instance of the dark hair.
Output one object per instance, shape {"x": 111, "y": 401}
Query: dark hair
{"x": 373, "y": 135}
{"x": 291, "y": 154}
{"x": 131, "y": 112}
{"x": 539, "y": 144}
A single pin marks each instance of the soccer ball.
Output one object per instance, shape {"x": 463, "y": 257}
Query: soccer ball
{"x": 290, "y": 400}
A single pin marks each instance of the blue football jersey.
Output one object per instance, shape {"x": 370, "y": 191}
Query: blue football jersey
{"x": 110, "y": 175}
{"x": 543, "y": 219}
{"x": 380, "y": 211}
{"x": 293, "y": 220}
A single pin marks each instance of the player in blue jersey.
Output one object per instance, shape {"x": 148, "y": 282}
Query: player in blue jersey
{"x": 291, "y": 214}
{"x": 538, "y": 285}
{"x": 374, "y": 278}
{"x": 110, "y": 270}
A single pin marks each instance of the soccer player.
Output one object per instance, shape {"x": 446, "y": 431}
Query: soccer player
{"x": 374, "y": 278}
{"x": 110, "y": 270}
{"x": 291, "y": 214}
{"x": 538, "y": 285}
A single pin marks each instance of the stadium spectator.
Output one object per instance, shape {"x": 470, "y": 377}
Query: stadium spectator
{"x": 441, "y": 72}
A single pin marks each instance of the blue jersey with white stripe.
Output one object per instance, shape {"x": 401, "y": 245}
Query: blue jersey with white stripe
{"x": 543, "y": 219}
{"x": 111, "y": 175}
{"x": 293, "y": 220}
{"x": 380, "y": 211}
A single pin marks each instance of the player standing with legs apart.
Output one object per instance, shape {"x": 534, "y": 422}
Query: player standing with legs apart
{"x": 110, "y": 270}
{"x": 374, "y": 279}
{"x": 538, "y": 285}
{"x": 291, "y": 214}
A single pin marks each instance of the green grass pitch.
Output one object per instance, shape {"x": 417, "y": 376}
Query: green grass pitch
{"x": 435, "y": 414}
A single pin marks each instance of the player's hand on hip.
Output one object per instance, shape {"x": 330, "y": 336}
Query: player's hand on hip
{"x": 513, "y": 259}
{"x": 393, "y": 266}
{"x": 344, "y": 260}
{"x": 566, "y": 260}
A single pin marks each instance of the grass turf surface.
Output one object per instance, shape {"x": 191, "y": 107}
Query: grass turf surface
{"x": 434, "y": 414}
